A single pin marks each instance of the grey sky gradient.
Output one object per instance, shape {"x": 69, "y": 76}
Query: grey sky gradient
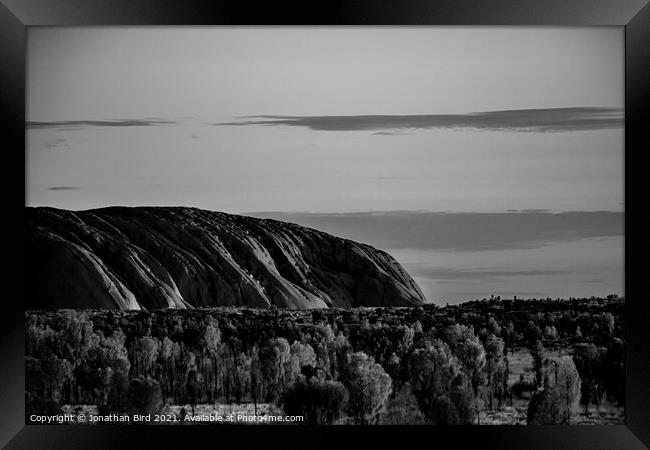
{"x": 384, "y": 126}
{"x": 575, "y": 268}
{"x": 222, "y": 72}
{"x": 462, "y": 231}
{"x": 558, "y": 254}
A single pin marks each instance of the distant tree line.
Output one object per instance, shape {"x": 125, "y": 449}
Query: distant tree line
{"x": 364, "y": 366}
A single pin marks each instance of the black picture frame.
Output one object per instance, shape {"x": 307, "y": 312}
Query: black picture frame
{"x": 634, "y": 15}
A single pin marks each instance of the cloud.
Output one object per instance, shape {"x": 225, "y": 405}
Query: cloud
{"x": 525, "y": 120}
{"x": 99, "y": 123}
{"x": 56, "y": 143}
{"x": 63, "y": 188}
{"x": 454, "y": 275}
{"x": 485, "y": 294}
{"x": 460, "y": 231}
{"x": 387, "y": 133}
{"x": 594, "y": 280}
{"x": 528, "y": 210}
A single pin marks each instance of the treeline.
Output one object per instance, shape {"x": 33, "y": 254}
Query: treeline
{"x": 368, "y": 365}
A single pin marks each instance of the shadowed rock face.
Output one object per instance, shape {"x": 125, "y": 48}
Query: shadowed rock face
{"x": 175, "y": 257}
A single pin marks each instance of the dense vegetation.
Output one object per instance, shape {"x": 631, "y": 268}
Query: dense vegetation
{"x": 364, "y": 365}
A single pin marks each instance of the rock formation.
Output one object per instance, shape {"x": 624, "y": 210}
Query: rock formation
{"x": 177, "y": 257}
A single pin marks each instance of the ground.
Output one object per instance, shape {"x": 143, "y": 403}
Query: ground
{"x": 172, "y": 413}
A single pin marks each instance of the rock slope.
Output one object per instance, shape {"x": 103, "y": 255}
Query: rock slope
{"x": 177, "y": 257}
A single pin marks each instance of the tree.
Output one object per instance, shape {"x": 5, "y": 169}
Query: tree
{"x": 145, "y": 354}
{"x": 568, "y": 382}
{"x": 118, "y": 392}
{"x": 47, "y": 376}
{"x": 320, "y": 402}
{"x": 305, "y": 354}
{"x": 550, "y": 332}
{"x": 505, "y": 388}
{"x": 212, "y": 337}
{"x": 511, "y": 337}
{"x": 193, "y": 388}
{"x": 608, "y": 321}
{"x": 544, "y": 408}
{"x": 469, "y": 351}
{"x": 257, "y": 382}
{"x": 494, "y": 327}
{"x": 495, "y": 368}
{"x": 169, "y": 356}
{"x": 434, "y": 373}
{"x": 368, "y": 385}
{"x": 537, "y": 352}
{"x": 241, "y": 376}
{"x": 471, "y": 354}
{"x": 442, "y": 376}
{"x": 586, "y": 359}
{"x": 533, "y": 333}
{"x": 76, "y": 335}
{"x": 556, "y": 401}
{"x": 273, "y": 359}
{"x": 403, "y": 409}
{"x": 614, "y": 371}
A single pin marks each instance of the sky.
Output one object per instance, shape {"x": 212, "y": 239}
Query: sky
{"x": 476, "y": 156}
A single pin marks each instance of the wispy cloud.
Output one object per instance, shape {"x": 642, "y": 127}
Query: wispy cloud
{"x": 484, "y": 294}
{"x": 56, "y": 143}
{"x": 461, "y": 231}
{"x": 525, "y": 120}
{"x": 441, "y": 273}
{"x": 63, "y": 188}
{"x": 100, "y": 123}
{"x": 387, "y": 133}
{"x": 594, "y": 280}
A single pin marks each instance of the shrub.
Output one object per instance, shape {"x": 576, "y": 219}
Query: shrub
{"x": 403, "y": 409}
{"x": 319, "y": 402}
{"x": 145, "y": 396}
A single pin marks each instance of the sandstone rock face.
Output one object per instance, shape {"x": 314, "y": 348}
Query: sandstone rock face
{"x": 177, "y": 257}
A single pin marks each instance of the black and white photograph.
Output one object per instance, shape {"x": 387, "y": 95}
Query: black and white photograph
{"x": 325, "y": 225}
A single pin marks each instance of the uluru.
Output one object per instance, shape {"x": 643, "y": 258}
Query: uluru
{"x": 182, "y": 257}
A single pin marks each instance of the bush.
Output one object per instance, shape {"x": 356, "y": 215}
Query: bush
{"x": 443, "y": 411}
{"x": 555, "y": 404}
{"x": 403, "y": 409}
{"x": 145, "y": 396}
{"x": 118, "y": 392}
{"x": 369, "y": 387}
{"x": 319, "y": 402}
{"x": 546, "y": 408}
